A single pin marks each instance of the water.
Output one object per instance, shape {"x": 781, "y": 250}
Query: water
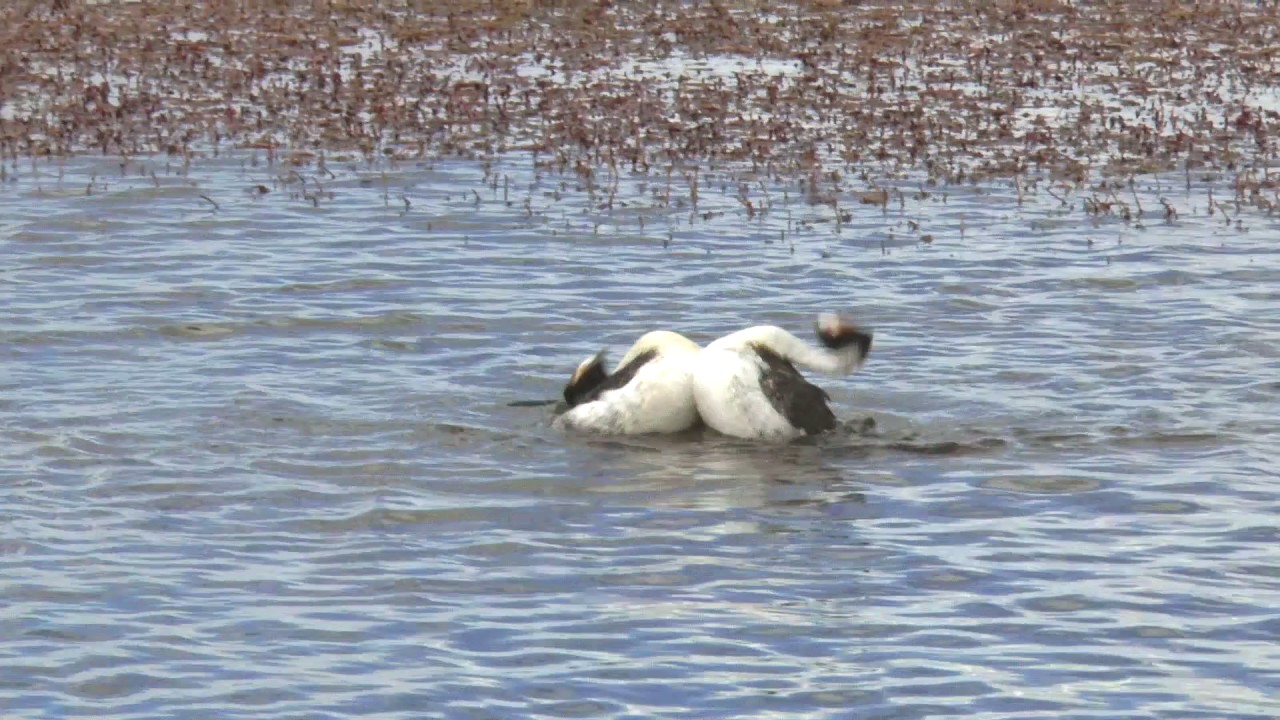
{"x": 259, "y": 457}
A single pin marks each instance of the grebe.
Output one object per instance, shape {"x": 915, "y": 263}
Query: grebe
{"x": 746, "y": 385}
{"x": 649, "y": 392}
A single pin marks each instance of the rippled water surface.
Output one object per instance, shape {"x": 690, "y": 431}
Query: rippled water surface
{"x": 259, "y": 458}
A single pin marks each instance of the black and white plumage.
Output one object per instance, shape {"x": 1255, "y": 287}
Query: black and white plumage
{"x": 649, "y": 392}
{"x": 746, "y": 384}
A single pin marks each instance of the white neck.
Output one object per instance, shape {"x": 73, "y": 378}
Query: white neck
{"x": 823, "y": 360}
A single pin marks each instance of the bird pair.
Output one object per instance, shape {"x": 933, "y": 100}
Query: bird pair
{"x": 744, "y": 384}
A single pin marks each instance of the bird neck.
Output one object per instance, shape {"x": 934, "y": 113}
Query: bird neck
{"x": 824, "y": 360}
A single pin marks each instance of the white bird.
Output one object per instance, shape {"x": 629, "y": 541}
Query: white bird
{"x": 746, "y": 385}
{"x": 649, "y": 392}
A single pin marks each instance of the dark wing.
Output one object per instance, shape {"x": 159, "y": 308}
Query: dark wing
{"x": 587, "y": 382}
{"x": 802, "y": 403}
{"x": 619, "y": 378}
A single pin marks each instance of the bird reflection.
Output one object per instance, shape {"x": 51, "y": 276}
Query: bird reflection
{"x": 701, "y": 469}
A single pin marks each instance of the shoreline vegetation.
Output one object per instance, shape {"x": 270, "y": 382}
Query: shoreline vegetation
{"x": 1076, "y": 94}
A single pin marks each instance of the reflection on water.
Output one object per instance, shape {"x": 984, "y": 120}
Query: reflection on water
{"x": 280, "y": 460}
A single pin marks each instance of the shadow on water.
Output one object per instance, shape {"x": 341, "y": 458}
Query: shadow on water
{"x": 701, "y": 469}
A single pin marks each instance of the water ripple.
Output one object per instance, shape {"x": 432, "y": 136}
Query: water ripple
{"x": 273, "y": 461}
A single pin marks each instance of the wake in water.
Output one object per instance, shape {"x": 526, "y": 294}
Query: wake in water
{"x": 861, "y": 434}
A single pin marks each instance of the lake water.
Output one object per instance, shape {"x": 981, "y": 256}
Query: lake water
{"x": 259, "y": 458}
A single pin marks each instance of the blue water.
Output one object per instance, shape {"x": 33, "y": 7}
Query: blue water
{"x": 258, "y": 457}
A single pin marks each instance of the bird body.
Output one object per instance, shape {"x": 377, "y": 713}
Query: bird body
{"x": 649, "y": 392}
{"x": 746, "y": 384}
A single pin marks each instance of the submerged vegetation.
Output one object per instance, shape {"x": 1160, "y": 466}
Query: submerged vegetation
{"x": 1072, "y": 94}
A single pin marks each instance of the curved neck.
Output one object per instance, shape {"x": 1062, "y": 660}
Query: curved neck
{"x": 825, "y": 360}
